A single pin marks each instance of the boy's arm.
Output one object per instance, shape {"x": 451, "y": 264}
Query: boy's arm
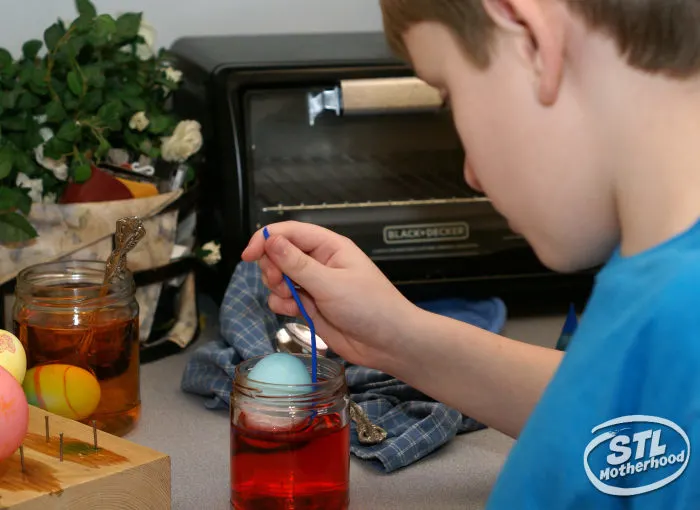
{"x": 495, "y": 380}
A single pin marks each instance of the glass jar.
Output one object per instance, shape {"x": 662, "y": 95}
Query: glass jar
{"x": 290, "y": 445}
{"x": 82, "y": 343}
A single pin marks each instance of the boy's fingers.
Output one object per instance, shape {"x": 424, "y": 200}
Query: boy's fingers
{"x": 322, "y": 243}
{"x": 308, "y": 273}
{"x": 272, "y": 273}
{"x": 283, "y": 306}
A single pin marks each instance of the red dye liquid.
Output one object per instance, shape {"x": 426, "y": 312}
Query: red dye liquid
{"x": 306, "y": 468}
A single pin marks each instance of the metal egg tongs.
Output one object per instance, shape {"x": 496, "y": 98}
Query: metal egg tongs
{"x": 128, "y": 233}
{"x": 367, "y": 432}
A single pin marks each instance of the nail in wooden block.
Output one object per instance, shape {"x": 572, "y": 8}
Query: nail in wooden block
{"x": 133, "y": 476}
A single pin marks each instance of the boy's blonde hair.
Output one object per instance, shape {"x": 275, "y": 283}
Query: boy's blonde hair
{"x": 653, "y": 35}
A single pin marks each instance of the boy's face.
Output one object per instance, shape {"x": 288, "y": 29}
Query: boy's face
{"x": 537, "y": 162}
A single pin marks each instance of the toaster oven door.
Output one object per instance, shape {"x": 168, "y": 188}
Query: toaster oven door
{"x": 381, "y": 166}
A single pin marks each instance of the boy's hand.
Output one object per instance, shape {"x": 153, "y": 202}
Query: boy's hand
{"x": 355, "y": 309}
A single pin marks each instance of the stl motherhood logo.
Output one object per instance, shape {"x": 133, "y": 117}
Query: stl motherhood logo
{"x": 634, "y": 455}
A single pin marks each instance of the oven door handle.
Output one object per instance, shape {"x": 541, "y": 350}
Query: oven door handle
{"x": 376, "y": 96}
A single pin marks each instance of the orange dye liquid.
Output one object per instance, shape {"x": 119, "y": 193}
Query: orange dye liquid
{"x": 112, "y": 357}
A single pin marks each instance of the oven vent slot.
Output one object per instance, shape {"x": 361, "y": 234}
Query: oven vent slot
{"x": 375, "y": 96}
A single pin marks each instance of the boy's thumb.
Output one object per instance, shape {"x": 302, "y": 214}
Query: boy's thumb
{"x": 304, "y": 270}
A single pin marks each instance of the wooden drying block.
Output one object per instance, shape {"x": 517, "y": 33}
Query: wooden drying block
{"x": 118, "y": 475}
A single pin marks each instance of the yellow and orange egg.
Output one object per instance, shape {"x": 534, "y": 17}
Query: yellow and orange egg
{"x": 65, "y": 390}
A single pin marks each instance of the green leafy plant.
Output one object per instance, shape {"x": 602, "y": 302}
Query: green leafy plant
{"x": 86, "y": 88}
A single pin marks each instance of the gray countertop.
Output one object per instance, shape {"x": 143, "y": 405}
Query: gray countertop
{"x": 459, "y": 476}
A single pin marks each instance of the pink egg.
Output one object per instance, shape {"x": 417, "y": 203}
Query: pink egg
{"x": 14, "y": 415}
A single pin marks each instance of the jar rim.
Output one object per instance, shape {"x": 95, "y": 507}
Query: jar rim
{"x": 32, "y": 279}
{"x": 316, "y": 390}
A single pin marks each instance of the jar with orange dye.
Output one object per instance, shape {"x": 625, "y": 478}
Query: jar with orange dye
{"x": 82, "y": 343}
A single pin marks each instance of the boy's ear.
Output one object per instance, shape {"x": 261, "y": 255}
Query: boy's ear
{"x": 539, "y": 37}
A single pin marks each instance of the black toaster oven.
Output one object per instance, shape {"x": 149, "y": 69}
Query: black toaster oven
{"x": 332, "y": 129}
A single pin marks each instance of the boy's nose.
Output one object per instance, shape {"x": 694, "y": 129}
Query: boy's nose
{"x": 471, "y": 178}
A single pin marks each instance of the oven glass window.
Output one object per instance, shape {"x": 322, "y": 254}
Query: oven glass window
{"x": 347, "y": 160}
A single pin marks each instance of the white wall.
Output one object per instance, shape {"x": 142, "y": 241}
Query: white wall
{"x": 27, "y": 19}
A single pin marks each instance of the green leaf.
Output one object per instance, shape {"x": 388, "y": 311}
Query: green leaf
{"x": 26, "y": 74}
{"x": 81, "y": 168}
{"x": 130, "y": 90}
{"x": 69, "y": 131}
{"x": 110, "y": 114}
{"x": 9, "y": 72}
{"x": 122, "y": 58}
{"x": 9, "y": 98}
{"x": 70, "y": 102}
{"x": 15, "y": 137}
{"x": 38, "y": 81}
{"x": 59, "y": 86}
{"x": 5, "y": 163}
{"x": 103, "y": 149}
{"x": 14, "y": 123}
{"x": 14, "y": 198}
{"x": 28, "y": 101}
{"x": 31, "y": 48}
{"x": 32, "y": 136}
{"x": 105, "y": 28}
{"x": 53, "y": 34}
{"x": 25, "y": 164}
{"x": 93, "y": 100}
{"x": 85, "y": 8}
{"x": 94, "y": 75}
{"x": 74, "y": 46}
{"x": 146, "y": 147}
{"x": 56, "y": 148}
{"x": 5, "y": 59}
{"x": 83, "y": 24}
{"x": 55, "y": 112}
{"x": 128, "y": 25}
{"x": 154, "y": 153}
{"x": 190, "y": 174}
{"x": 136, "y": 103}
{"x": 15, "y": 228}
{"x": 160, "y": 124}
{"x": 132, "y": 139}
{"x": 75, "y": 83}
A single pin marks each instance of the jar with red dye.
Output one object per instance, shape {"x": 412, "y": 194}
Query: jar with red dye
{"x": 290, "y": 448}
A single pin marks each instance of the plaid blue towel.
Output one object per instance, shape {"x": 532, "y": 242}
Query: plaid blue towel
{"x": 416, "y": 424}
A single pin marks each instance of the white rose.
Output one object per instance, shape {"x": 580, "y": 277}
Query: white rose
{"x": 139, "y": 121}
{"x": 59, "y": 168}
{"x": 185, "y": 141}
{"x": 35, "y": 186}
{"x": 147, "y": 49}
{"x": 214, "y": 255}
{"x": 173, "y": 75}
{"x": 50, "y": 198}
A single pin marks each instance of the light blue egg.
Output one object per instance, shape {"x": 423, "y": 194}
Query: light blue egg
{"x": 281, "y": 369}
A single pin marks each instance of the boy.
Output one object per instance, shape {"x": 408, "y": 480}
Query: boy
{"x": 581, "y": 120}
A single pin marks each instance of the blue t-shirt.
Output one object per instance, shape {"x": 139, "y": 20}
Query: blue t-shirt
{"x": 618, "y": 425}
